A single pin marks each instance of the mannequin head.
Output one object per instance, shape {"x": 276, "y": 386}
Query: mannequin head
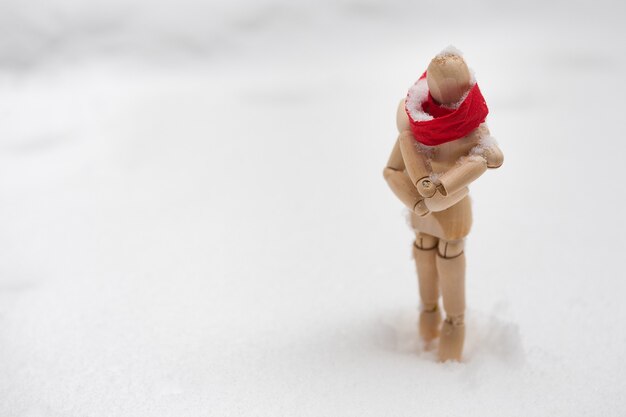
{"x": 448, "y": 78}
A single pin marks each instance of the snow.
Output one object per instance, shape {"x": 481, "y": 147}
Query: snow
{"x": 450, "y": 50}
{"x": 418, "y": 93}
{"x": 194, "y": 220}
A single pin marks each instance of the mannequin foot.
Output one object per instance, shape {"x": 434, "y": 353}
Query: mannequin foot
{"x": 452, "y": 338}
{"x": 429, "y": 324}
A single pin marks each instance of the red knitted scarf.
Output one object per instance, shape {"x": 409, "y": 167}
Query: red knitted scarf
{"x": 437, "y": 124}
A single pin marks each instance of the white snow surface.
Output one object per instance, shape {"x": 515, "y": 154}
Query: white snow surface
{"x": 450, "y": 50}
{"x": 194, "y": 221}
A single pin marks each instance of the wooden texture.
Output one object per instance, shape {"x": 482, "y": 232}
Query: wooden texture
{"x": 427, "y": 276}
{"x": 452, "y": 280}
{"x": 416, "y": 163}
{"x": 464, "y": 173}
{"x": 440, "y": 202}
{"x": 404, "y": 189}
{"x": 451, "y": 224}
{"x": 433, "y": 183}
{"x": 448, "y": 79}
{"x": 452, "y": 338}
{"x": 494, "y": 157}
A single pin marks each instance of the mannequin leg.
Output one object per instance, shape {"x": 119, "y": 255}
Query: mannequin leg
{"x": 425, "y": 255}
{"x": 451, "y": 269}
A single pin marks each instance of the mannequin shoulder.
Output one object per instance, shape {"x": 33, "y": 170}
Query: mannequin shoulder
{"x": 402, "y": 120}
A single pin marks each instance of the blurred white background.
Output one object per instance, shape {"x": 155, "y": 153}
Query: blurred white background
{"x": 193, "y": 219}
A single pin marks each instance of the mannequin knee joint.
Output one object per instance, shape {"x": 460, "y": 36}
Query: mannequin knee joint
{"x": 451, "y": 248}
{"x": 425, "y": 242}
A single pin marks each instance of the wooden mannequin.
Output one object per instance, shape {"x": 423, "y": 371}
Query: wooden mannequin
{"x": 432, "y": 182}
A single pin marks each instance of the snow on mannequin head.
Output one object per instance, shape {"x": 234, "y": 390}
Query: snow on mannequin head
{"x": 448, "y": 78}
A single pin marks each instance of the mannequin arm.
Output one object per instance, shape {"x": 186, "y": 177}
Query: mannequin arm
{"x": 470, "y": 168}
{"x": 494, "y": 156}
{"x": 485, "y": 155}
{"x": 463, "y": 174}
{"x": 417, "y": 165}
{"x": 401, "y": 184}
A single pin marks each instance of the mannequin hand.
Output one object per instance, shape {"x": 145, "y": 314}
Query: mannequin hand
{"x": 426, "y": 188}
{"x": 439, "y": 202}
{"x": 494, "y": 157}
{"x": 420, "y": 208}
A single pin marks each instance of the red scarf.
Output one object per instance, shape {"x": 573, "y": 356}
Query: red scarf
{"x": 447, "y": 124}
